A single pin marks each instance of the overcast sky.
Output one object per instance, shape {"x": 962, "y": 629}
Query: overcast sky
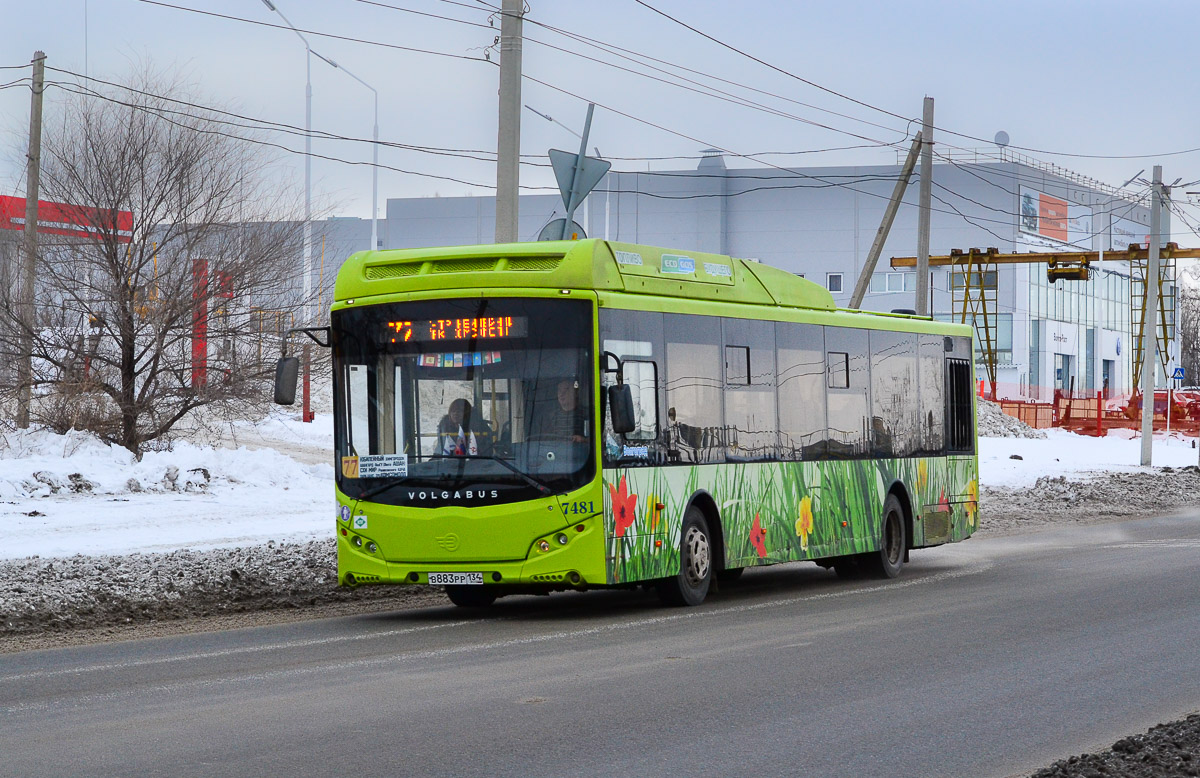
{"x": 1101, "y": 78}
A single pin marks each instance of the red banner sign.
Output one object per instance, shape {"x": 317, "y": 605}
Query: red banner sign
{"x": 76, "y": 221}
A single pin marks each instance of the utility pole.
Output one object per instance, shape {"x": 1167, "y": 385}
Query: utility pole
{"x": 508, "y": 139}
{"x": 889, "y": 215}
{"x": 922, "y": 305}
{"x": 29, "y": 258}
{"x": 1150, "y": 320}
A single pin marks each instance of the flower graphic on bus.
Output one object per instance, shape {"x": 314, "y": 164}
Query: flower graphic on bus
{"x": 758, "y": 538}
{"x": 972, "y": 501}
{"x": 654, "y": 508}
{"x": 624, "y": 507}
{"x": 922, "y": 475}
{"x": 804, "y": 524}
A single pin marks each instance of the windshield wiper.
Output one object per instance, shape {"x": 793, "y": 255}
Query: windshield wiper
{"x": 541, "y": 487}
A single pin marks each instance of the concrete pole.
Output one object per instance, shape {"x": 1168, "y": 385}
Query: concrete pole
{"x": 375, "y": 178}
{"x": 922, "y": 303}
{"x": 508, "y": 138}
{"x": 1150, "y": 320}
{"x": 29, "y": 258}
{"x": 885, "y": 226}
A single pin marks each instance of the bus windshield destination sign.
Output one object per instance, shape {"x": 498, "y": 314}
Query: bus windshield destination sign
{"x": 483, "y": 328}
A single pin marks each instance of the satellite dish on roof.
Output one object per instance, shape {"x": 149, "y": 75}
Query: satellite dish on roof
{"x": 1001, "y": 139}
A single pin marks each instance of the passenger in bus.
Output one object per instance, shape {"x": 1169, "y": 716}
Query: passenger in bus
{"x": 460, "y": 433}
{"x": 563, "y": 421}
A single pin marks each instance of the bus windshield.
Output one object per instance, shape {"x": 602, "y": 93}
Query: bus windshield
{"x": 463, "y": 401}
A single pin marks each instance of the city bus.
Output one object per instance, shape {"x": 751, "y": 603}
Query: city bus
{"x": 539, "y": 417}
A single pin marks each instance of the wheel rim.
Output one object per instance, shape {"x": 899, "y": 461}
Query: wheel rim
{"x": 696, "y": 561}
{"x": 892, "y": 545}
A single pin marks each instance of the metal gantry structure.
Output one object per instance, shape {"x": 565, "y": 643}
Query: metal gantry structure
{"x": 973, "y": 289}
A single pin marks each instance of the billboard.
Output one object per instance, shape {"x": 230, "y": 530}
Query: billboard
{"x": 1055, "y": 219}
{"x": 75, "y": 221}
{"x": 1126, "y": 231}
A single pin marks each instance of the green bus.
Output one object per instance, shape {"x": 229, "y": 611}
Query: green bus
{"x": 526, "y": 418}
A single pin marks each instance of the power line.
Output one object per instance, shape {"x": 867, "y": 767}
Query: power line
{"x": 769, "y": 65}
{"x": 896, "y": 115}
{"x": 313, "y": 32}
{"x": 621, "y": 51}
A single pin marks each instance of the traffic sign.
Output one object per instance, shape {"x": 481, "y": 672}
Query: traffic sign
{"x": 1178, "y": 374}
{"x": 554, "y": 230}
{"x": 590, "y": 173}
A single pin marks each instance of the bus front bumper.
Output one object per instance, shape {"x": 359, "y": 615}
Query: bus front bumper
{"x": 571, "y": 557}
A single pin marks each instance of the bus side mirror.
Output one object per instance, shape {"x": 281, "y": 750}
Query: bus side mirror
{"x": 620, "y": 405}
{"x": 287, "y": 369}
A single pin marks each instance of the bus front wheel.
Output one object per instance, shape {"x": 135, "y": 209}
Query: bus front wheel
{"x": 467, "y": 596}
{"x": 690, "y": 585}
{"x": 887, "y": 561}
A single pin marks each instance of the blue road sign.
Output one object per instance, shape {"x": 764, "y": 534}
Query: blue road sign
{"x": 1178, "y": 374}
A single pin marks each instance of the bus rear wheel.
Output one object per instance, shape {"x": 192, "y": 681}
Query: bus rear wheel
{"x": 690, "y": 585}
{"x": 889, "y": 559}
{"x": 466, "y": 596}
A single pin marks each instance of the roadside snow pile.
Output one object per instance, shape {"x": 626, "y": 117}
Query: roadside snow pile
{"x": 39, "y": 463}
{"x": 95, "y": 591}
{"x": 995, "y": 423}
{"x": 1087, "y": 499}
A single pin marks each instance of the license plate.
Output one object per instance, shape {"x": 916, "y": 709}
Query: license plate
{"x": 442, "y": 579}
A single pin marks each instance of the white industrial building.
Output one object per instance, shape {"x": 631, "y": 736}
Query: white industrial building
{"x": 820, "y": 223}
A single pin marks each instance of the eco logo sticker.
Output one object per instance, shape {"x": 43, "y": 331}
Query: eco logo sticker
{"x": 678, "y": 264}
{"x": 360, "y": 522}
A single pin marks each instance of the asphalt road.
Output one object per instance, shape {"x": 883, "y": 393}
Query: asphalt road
{"x": 987, "y": 658}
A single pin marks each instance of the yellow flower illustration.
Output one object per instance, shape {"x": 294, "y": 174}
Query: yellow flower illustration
{"x": 804, "y": 524}
{"x": 922, "y": 475}
{"x": 655, "y": 513}
{"x": 972, "y": 502}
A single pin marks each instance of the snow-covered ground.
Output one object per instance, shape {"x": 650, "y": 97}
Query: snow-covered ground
{"x": 62, "y": 495}
{"x": 1063, "y": 453}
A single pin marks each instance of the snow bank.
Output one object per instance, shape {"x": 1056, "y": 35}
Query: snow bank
{"x": 70, "y": 494}
{"x": 40, "y": 463}
{"x": 995, "y": 423}
{"x": 1018, "y": 462}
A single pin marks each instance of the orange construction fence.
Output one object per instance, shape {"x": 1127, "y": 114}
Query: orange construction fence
{"x": 1095, "y": 413}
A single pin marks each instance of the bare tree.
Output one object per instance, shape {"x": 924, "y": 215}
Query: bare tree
{"x": 1188, "y": 317}
{"x": 175, "y": 270}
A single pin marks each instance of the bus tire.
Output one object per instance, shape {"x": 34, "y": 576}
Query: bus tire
{"x": 690, "y": 585}
{"x": 889, "y": 559}
{"x": 467, "y": 596}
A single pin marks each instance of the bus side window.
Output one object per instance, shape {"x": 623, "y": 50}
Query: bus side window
{"x": 695, "y": 386}
{"x": 802, "y": 391}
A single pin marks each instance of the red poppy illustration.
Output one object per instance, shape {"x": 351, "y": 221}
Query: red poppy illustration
{"x": 758, "y": 538}
{"x": 943, "y": 503}
{"x": 624, "y": 507}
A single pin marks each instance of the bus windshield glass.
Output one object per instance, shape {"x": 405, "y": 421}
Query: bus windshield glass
{"x": 463, "y": 401}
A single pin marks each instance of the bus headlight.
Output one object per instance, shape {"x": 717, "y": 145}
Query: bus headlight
{"x": 543, "y": 545}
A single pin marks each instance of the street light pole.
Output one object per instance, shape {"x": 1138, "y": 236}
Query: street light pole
{"x": 374, "y": 149}
{"x": 306, "y": 272}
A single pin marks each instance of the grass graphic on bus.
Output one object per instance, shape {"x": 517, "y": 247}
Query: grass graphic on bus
{"x": 781, "y": 511}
